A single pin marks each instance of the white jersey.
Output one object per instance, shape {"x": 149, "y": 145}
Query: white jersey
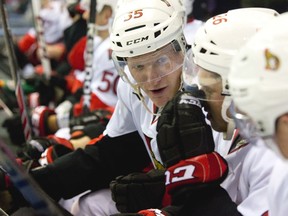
{"x": 105, "y": 75}
{"x": 278, "y": 189}
{"x": 103, "y": 84}
{"x": 249, "y": 172}
{"x": 250, "y": 168}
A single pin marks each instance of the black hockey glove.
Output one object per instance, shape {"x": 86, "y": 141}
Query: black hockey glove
{"x": 100, "y": 115}
{"x": 186, "y": 147}
{"x": 138, "y": 191}
{"x": 182, "y": 130}
{"x": 35, "y": 147}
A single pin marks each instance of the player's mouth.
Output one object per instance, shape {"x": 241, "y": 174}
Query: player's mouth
{"x": 157, "y": 92}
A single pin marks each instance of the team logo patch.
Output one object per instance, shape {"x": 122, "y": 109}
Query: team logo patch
{"x": 272, "y": 61}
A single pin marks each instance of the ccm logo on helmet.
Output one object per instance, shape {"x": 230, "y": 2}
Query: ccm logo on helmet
{"x": 138, "y": 40}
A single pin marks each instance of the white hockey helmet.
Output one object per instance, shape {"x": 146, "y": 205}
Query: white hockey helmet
{"x": 141, "y": 27}
{"x": 221, "y": 37}
{"x": 259, "y": 78}
{"x": 215, "y": 44}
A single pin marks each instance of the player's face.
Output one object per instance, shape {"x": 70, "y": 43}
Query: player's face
{"x": 158, "y": 74}
{"x": 211, "y": 84}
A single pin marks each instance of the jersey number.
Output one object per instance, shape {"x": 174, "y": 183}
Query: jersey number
{"x": 110, "y": 83}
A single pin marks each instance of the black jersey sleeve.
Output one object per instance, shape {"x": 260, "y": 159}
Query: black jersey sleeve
{"x": 94, "y": 167}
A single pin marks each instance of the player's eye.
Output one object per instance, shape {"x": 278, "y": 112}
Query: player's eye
{"x": 162, "y": 60}
{"x": 138, "y": 67}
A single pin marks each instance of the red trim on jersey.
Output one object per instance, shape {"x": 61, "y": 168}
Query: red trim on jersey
{"x": 155, "y": 118}
{"x": 95, "y": 104}
{"x": 26, "y": 42}
{"x": 76, "y": 55}
{"x": 265, "y": 213}
{"x": 49, "y": 154}
{"x": 95, "y": 140}
{"x": 235, "y": 139}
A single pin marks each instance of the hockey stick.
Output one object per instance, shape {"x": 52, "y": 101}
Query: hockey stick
{"x": 30, "y": 190}
{"x": 3, "y": 213}
{"x": 38, "y": 22}
{"x": 14, "y": 72}
{"x": 6, "y": 108}
{"x": 89, "y": 57}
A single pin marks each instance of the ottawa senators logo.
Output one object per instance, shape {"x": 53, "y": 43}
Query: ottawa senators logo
{"x": 272, "y": 61}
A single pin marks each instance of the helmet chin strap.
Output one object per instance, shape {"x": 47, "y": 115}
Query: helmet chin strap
{"x": 230, "y": 122}
{"x": 102, "y": 27}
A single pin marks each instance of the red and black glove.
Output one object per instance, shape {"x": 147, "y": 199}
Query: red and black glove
{"x": 35, "y": 147}
{"x": 186, "y": 147}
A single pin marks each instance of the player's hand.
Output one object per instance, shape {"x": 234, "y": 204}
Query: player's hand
{"x": 35, "y": 147}
{"x": 138, "y": 191}
{"x": 80, "y": 138}
{"x": 186, "y": 147}
{"x": 182, "y": 130}
{"x": 39, "y": 120}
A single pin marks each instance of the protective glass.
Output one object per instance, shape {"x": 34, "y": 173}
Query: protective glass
{"x": 247, "y": 127}
{"x": 149, "y": 67}
{"x": 208, "y": 82}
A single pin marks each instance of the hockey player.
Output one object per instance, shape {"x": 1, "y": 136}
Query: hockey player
{"x": 258, "y": 78}
{"x": 248, "y": 175}
{"x": 149, "y": 42}
{"x": 130, "y": 136}
{"x": 207, "y": 66}
{"x": 103, "y": 83}
{"x": 163, "y": 53}
{"x": 56, "y": 19}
